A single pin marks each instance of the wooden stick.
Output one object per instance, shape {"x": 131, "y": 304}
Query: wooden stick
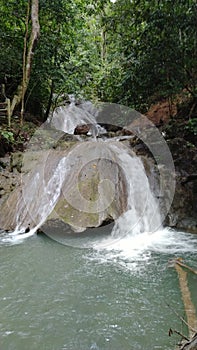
{"x": 8, "y": 111}
{"x": 187, "y": 301}
{"x": 181, "y": 318}
{"x": 183, "y": 336}
{"x": 180, "y": 263}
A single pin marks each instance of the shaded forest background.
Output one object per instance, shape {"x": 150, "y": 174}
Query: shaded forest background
{"x": 129, "y": 52}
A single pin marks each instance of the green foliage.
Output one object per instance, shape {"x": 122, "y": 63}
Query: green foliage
{"x": 12, "y": 26}
{"x": 130, "y": 52}
{"x": 192, "y": 126}
{"x": 157, "y": 43}
{"x": 7, "y": 135}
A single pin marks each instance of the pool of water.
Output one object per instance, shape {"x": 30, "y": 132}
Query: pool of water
{"x": 117, "y": 296}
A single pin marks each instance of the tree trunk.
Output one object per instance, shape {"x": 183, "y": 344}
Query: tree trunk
{"x": 49, "y": 101}
{"x": 24, "y": 60}
{"x": 35, "y": 31}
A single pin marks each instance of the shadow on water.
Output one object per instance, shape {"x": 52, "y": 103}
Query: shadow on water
{"x": 63, "y": 234}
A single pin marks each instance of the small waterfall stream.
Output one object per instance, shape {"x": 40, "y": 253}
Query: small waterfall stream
{"x": 143, "y": 212}
{"x": 49, "y": 191}
{"x": 67, "y": 117}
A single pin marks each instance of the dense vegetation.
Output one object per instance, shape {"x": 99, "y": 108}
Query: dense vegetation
{"x": 130, "y": 52}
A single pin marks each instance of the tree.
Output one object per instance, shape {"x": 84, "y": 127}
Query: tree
{"x": 28, "y": 54}
{"x": 128, "y": 52}
{"x": 156, "y": 41}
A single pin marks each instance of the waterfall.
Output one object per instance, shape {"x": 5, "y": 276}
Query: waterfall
{"x": 39, "y": 196}
{"x": 85, "y": 184}
{"x": 123, "y": 191}
{"x": 143, "y": 214}
{"x": 67, "y": 117}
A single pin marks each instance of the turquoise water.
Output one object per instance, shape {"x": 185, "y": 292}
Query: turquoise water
{"x": 59, "y": 297}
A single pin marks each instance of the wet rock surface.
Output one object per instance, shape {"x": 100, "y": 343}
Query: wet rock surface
{"x": 182, "y": 213}
{"x": 8, "y": 179}
{"x": 65, "y": 177}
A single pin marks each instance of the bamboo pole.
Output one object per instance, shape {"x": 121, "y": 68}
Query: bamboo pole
{"x": 179, "y": 262}
{"x": 8, "y": 111}
{"x": 187, "y": 301}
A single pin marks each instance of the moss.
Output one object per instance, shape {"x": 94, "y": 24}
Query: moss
{"x": 73, "y": 216}
{"x": 88, "y": 187}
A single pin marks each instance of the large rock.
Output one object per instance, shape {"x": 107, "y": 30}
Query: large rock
{"x": 83, "y": 186}
{"x": 184, "y": 207}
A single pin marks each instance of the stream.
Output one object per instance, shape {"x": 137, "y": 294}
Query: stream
{"x": 58, "y": 297}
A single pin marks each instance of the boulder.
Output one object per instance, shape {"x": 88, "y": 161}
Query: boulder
{"x": 83, "y": 186}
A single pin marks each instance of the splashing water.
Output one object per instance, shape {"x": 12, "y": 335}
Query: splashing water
{"x": 134, "y": 251}
{"x": 139, "y": 231}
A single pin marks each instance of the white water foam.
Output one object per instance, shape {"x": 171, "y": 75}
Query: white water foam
{"x": 138, "y": 232}
{"x": 15, "y": 237}
{"x": 133, "y": 250}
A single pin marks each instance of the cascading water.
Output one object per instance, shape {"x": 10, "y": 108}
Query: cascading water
{"x": 54, "y": 174}
{"x": 67, "y": 117}
{"x": 143, "y": 212}
{"x": 36, "y": 200}
{"x": 50, "y": 191}
{"x": 43, "y": 187}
